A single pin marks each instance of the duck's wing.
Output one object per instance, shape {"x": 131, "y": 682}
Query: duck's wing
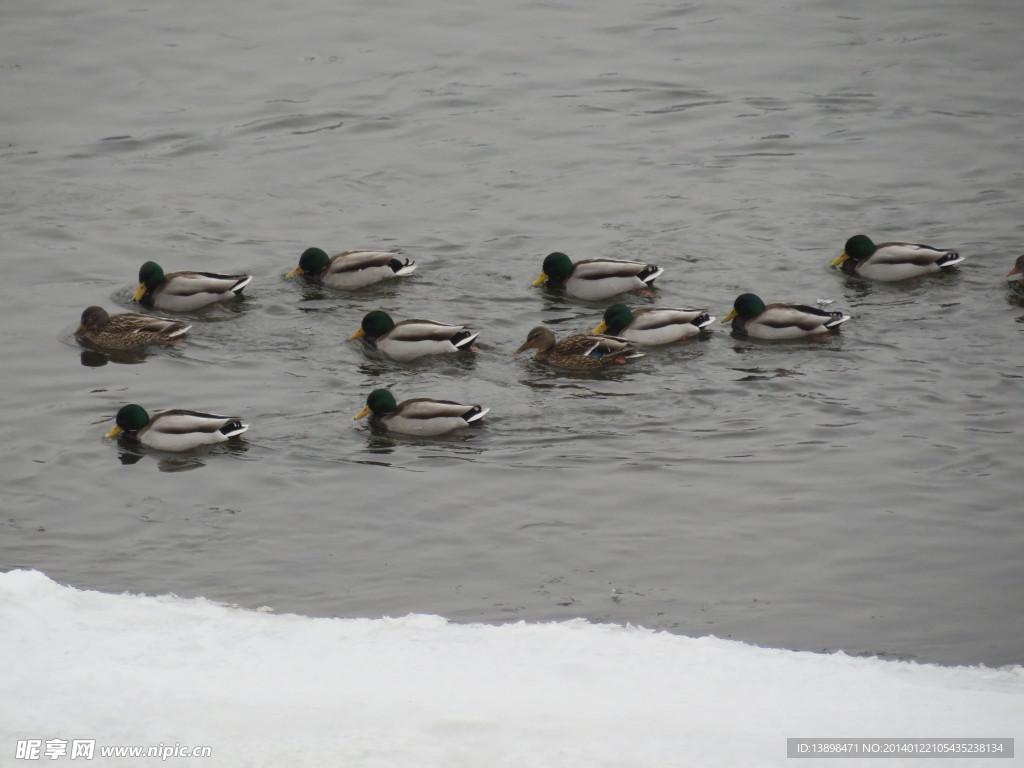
{"x": 599, "y": 345}
{"x": 192, "y": 283}
{"x": 353, "y": 261}
{"x": 656, "y": 318}
{"x": 423, "y": 330}
{"x": 177, "y": 421}
{"x": 134, "y": 323}
{"x": 914, "y": 253}
{"x": 427, "y": 417}
{"x": 577, "y": 344}
{"x": 602, "y": 269}
{"x": 429, "y": 408}
{"x": 802, "y": 316}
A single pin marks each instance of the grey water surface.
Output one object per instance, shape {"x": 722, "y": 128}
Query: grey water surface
{"x": 860, "y": 493}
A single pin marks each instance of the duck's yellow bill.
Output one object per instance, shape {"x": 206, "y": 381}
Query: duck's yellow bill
{"x": 365, "y": 412}
{"x": 601, "y": 328}
{"x": 358, "y": 334}
{"x": 114, "y": 432}
{"x": 541, "y": 279}
{"x": 729, "y": 317}
{"x": 842, "y": 257}
{"x": 294, "y": 272}
{"x": 139, "y": 292}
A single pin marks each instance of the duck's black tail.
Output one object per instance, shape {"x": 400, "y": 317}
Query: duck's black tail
{"x": 650, "y": 273}
{"x": 463, "y": 339}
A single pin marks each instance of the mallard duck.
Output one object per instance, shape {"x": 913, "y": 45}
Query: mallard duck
{"x": 421, "y": 416}
{"x": 1018, "y": 267}
{"x": 752, "y": 317}
{"x": 655, "y": 325}
{"x": 185, "y": 291}
{"x": 352, "y": 269}
{"x": 893, "y": 261}
{"x": 410, "y": 339}
{"x": 175, "y": 429}
{"x": 596, "y": 279}
{"x": 127, "y": 330}
{"x": 581, "y": 352}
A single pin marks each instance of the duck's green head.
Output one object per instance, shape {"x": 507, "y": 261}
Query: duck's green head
{"x": 616, "y": 317}
{"x": 747, "y": 305}
{"x": 379, "y": 401}
{"x": 557, "y": 266}
{"x": 858, "y": 248}
{"x": 311, "y": 261}
{"x": 131, "y": 418}
{"x": 374, "y": 325}
{"x": 151, "y": 275}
